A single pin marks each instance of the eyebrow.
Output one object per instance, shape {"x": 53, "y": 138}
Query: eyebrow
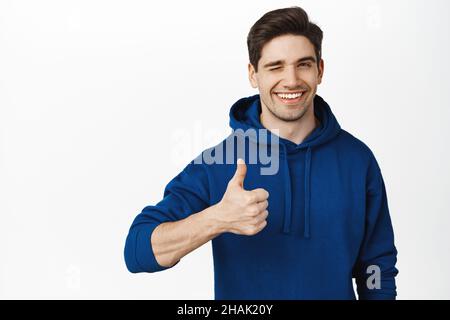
{"x": 280, "y": 62}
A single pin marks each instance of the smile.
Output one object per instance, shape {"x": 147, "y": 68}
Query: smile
{"x": 289, "y": 98}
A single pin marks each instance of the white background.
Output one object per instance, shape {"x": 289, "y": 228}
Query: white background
{"x": 103, "y": 102}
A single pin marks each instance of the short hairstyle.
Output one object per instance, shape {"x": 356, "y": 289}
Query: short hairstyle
{"x": 292, "y": 20}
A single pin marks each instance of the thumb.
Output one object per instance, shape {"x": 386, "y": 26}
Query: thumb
{"x": 239, "y": 175}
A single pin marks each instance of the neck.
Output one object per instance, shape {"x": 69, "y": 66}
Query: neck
{"x": 295, "y": 131}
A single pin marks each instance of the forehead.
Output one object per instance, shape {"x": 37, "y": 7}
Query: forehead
{"x": 287, "y": 47}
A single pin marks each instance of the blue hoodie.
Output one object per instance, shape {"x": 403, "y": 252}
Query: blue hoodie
{"x": 328, "y": 217}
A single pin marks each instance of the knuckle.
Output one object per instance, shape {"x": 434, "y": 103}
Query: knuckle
{"x": 265, "y": 204}
{"x": 248, "y": 214}
{"x": 264, "y": 194}
{"x": 248, "y": 231}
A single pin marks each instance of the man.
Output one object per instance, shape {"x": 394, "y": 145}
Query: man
{"x": 304, "y": 230}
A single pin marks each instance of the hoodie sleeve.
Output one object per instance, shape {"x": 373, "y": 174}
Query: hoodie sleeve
{"x": 378, "y": 254}
{"x": 184, "y": 195}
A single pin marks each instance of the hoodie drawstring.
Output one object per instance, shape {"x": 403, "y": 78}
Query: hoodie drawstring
{"x": 288, "y": 195}
{"x": 307, "y": 191}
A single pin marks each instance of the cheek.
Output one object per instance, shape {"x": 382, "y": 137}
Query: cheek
{"x": 311, "y": 82}
{"x": 268, "y": 84}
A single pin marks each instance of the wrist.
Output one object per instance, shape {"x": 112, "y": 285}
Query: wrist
{"x": 213, "y": 221}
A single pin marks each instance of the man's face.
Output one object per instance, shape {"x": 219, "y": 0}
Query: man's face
{"x": 287, "y": 66}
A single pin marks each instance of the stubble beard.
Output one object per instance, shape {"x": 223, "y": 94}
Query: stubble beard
{"x": 290, "y": 117}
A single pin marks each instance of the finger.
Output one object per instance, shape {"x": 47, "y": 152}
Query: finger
{"x": 254, "y": 229}
{"x": 260, "y": 194}
{"x": 262, "y": 216}
{"x": 261, "y": 226}
{"x": 262, "y": 206}
{"x": 239, "y": 175}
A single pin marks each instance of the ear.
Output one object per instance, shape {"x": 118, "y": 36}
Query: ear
{"x": 321, "y": 69}
{"x": 252, "y": 76}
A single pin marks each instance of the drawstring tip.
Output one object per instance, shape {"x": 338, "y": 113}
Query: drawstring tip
{"x": 306, "y": 233}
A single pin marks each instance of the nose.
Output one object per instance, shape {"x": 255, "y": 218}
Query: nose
{"x": 292, "y": 78}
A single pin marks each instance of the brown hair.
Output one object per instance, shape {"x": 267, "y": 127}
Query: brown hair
{"x": 292, "y": 20}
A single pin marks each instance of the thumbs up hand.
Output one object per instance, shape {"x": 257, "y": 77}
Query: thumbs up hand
{"x": 243, "y": 212}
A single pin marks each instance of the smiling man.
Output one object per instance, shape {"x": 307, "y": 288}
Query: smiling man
{"x": 303, "y": 231}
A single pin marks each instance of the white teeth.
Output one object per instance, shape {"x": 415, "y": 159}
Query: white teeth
{"x": 289, "y": 95}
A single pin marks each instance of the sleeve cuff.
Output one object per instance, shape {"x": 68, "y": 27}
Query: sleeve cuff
{"x": 145, "y": 256}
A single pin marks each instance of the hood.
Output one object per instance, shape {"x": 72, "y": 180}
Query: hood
{"x": 245, "y": 113}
